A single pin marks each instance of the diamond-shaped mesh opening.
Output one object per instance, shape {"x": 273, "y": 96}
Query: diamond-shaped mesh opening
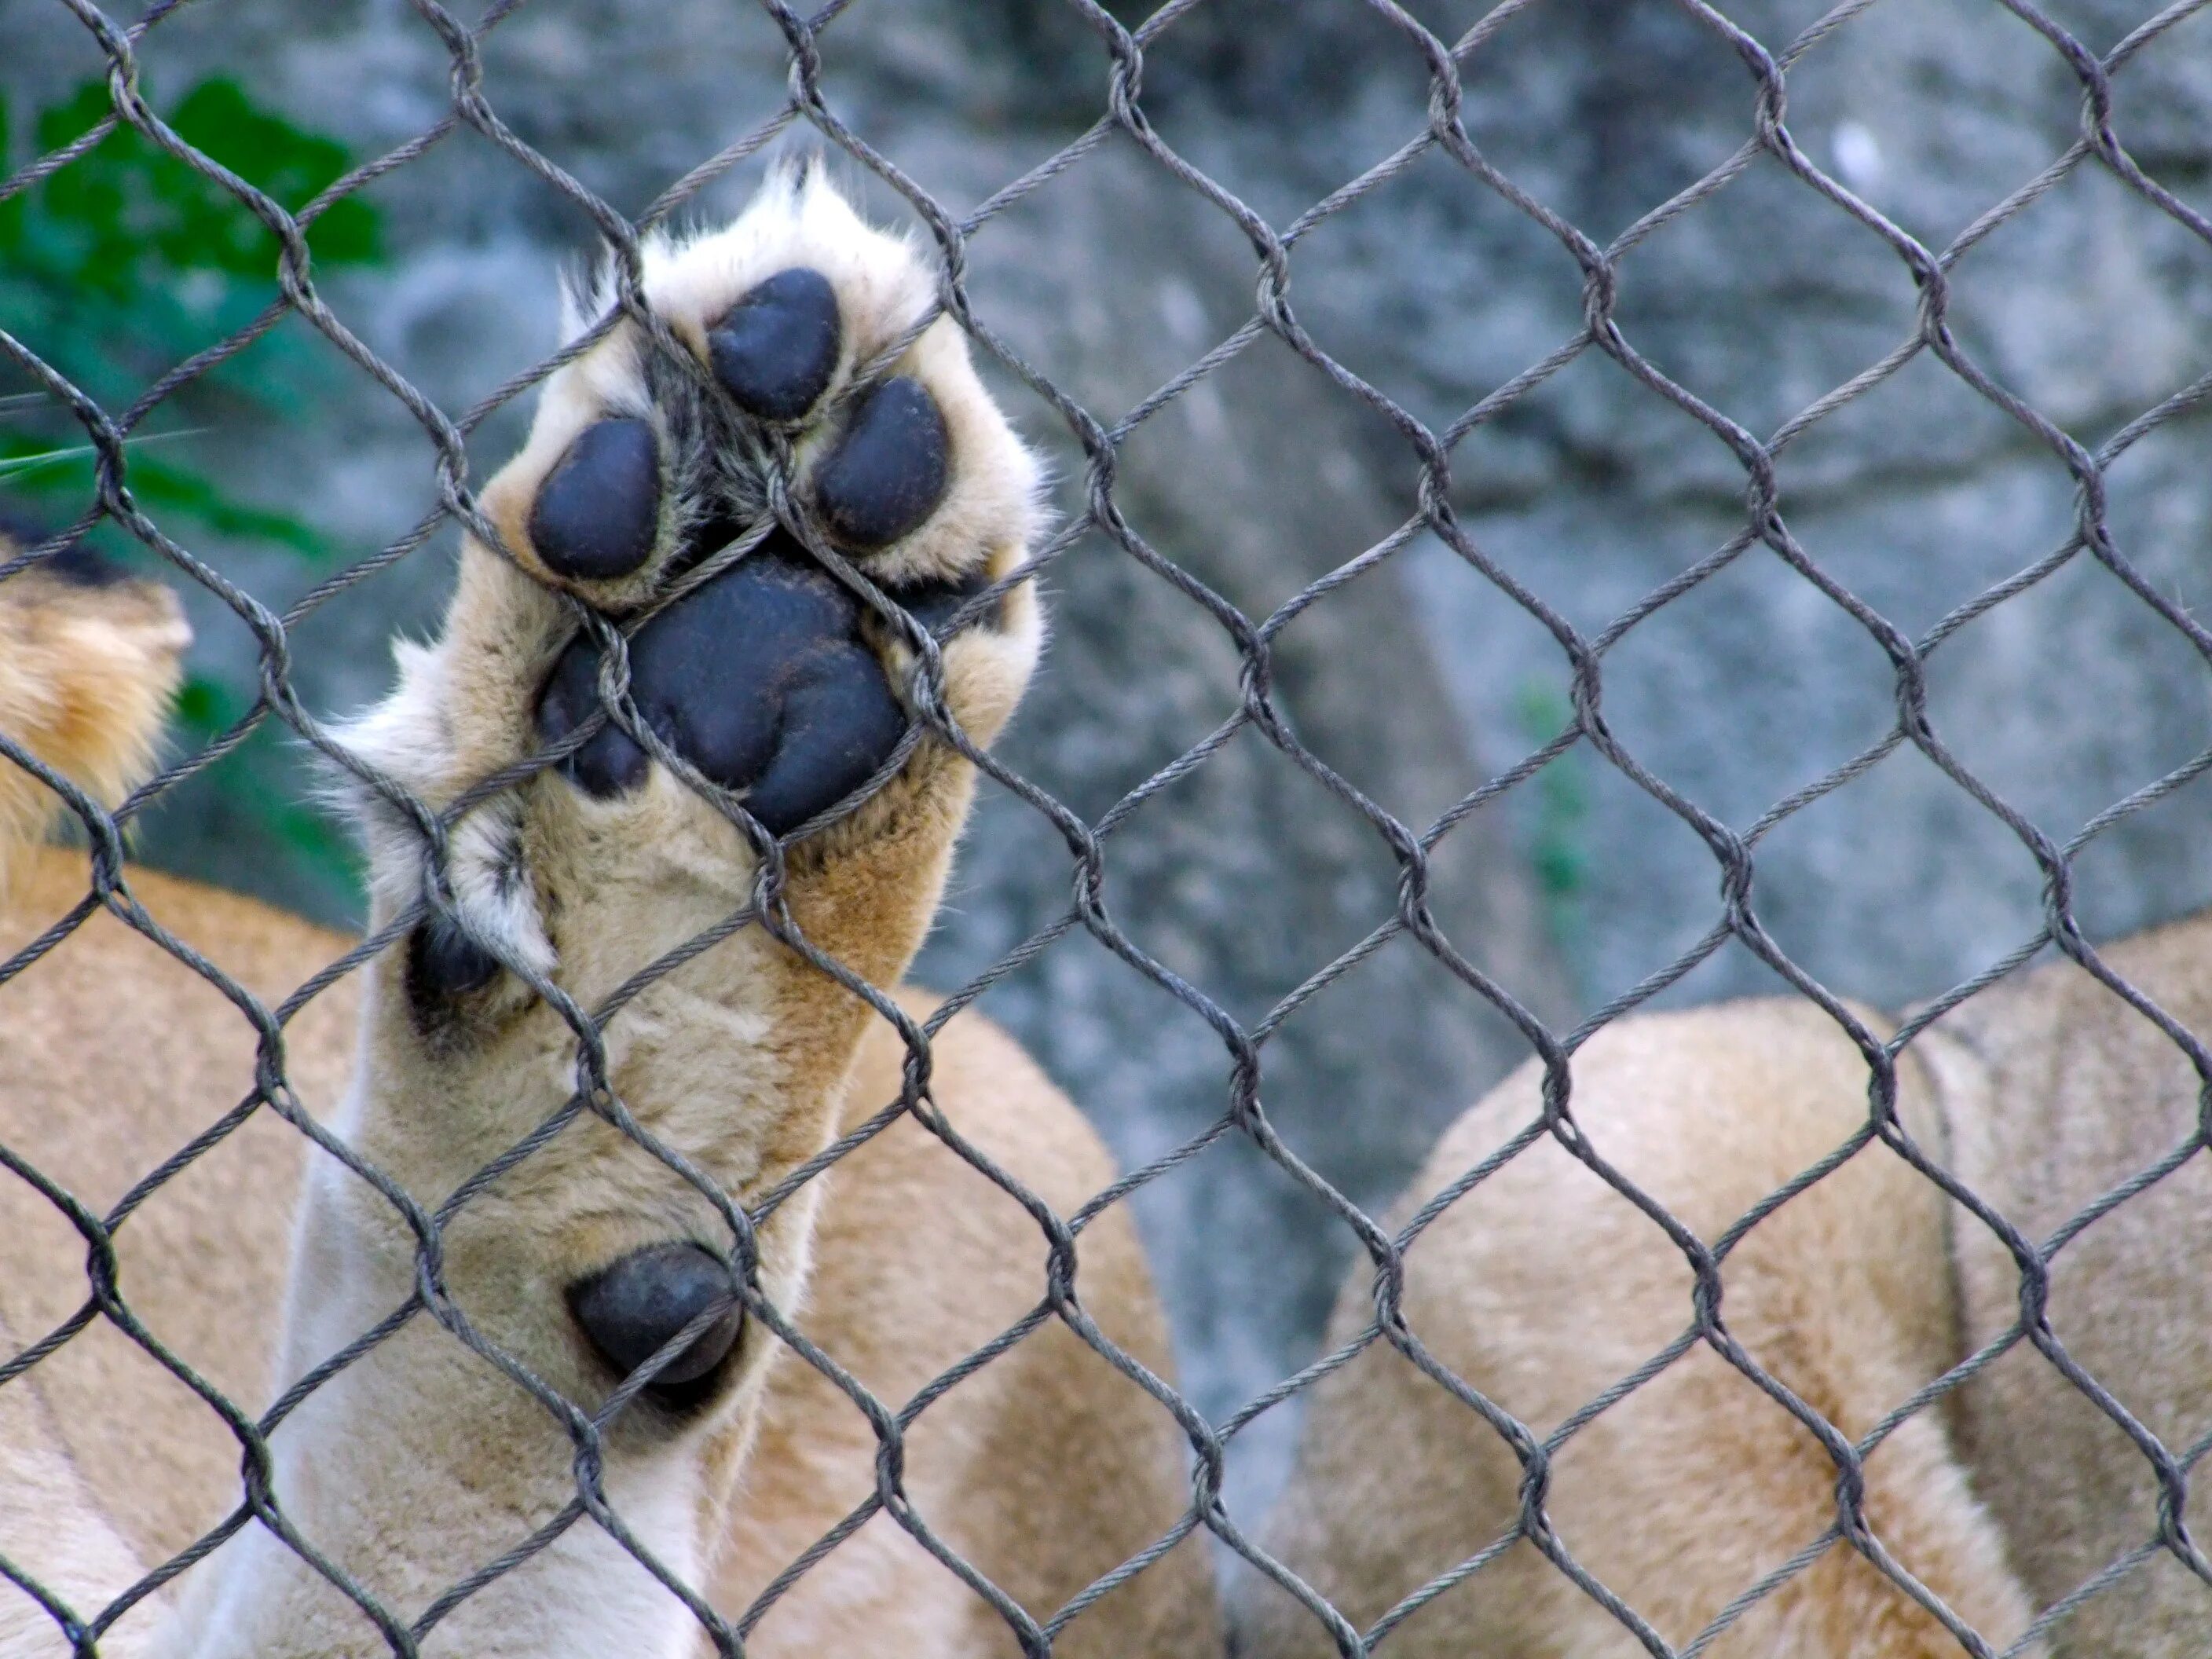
{"x": 1576, "y": 512}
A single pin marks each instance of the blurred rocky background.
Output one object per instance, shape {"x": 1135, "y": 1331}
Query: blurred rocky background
{"x": 1419, "y": 679}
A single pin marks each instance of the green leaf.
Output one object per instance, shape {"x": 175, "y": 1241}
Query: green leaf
{"x": 123, "y": 218}
{"x": 115, "y": 268}
{"x": 41, "y": 465}
{"x": 206, "y": 707}
{"x": 288, "y": 164}
{"x": 73, "y": 117}
{"x": 11, "y": 210}
{"x": 29, "y": 464}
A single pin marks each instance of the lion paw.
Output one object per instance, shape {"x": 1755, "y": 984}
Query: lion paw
{"x": 654, "y": 489}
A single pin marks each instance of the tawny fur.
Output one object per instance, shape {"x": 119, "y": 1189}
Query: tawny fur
{"x": 87, "y": 674}
{"x": 1542, "y": 1288}
{"x": 421, "y": 1461}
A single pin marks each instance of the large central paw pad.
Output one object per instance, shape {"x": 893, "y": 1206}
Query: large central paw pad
{"x": 761, "y": 679}
{"x": 770, "y": 677}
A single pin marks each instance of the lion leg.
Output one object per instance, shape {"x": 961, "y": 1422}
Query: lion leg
{"x": 587, "y": 971}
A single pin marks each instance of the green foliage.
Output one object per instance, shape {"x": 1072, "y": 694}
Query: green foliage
{"x": 120, "y": 265}
{"x": 129, "y": 256}
{"x": 128, "y": 259}
{"x": 1556, "y": 852}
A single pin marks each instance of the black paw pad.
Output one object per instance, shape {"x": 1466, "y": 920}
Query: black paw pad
{"x": 610, "y": 763}
{"x": 777, "y": 349}
{"x": 934, "y": 604}
{"x": 760, "y": 679}
{"x": 888, "y": 472}
{"x": 443, "y": 964}
{"x": 598, "y": 515}
{"x": 636, "y": 1308}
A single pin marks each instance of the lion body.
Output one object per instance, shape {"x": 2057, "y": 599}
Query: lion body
{"x": 1543, "y": 1287}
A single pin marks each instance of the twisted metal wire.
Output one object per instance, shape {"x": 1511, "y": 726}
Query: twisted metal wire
{"x": 1411, "y": 847}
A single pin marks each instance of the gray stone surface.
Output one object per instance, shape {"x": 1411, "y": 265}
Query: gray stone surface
{"x": 1420, "y": 678}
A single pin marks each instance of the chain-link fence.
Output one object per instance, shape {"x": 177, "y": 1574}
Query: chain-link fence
{"x": 1429, "y": 454}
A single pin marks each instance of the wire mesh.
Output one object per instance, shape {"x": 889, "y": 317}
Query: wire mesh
{"x": 1123, "y": 121}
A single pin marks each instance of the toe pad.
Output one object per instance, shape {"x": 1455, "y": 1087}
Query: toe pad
{"x": 598, "y": 515}
{"x": 777, "y": 349}
{"x": 445, "y": 966}
{"x": 889, "y": 471}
